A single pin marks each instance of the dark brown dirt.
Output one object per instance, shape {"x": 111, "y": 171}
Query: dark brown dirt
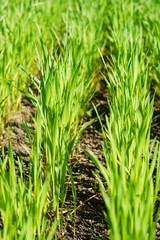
{"x": 17, "y": 134}
{"x": 89, "y": 221}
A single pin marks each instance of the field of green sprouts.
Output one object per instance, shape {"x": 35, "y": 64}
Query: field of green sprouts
{"x": 55, "y": 53}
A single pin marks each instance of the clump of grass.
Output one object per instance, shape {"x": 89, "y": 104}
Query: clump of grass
{"x": 132, "y": 188}
{"x": 64, "y": 82}
{"x": 23, "y": 201}
{"x": 64, "y": 88}
{"x": 18, "y": 31}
